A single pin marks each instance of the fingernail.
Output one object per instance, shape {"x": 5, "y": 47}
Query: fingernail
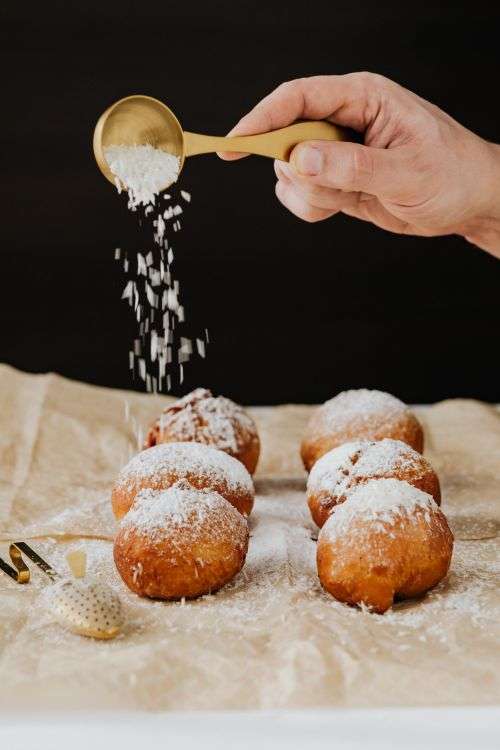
{"x": 308, "y": 160}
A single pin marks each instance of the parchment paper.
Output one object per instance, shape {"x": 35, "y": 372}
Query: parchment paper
{"x": 271, "y": 638}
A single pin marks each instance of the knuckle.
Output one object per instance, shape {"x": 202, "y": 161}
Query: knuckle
{"x": 365, "y": 78}
{"x": 289, "y": 87}
{"x": 360, "y": 167}
{"x": 373, "y": 85}
{"x": 432, "y": 128}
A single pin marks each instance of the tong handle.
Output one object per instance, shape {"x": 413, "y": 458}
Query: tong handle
{"x": 20, "y": 572}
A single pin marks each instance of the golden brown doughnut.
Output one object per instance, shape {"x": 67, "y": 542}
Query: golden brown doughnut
{"x": 359, "y": 415}
{"x": 388, "y": 541}
{"x": 215, "y": 421}
{"x": 202, "y": 466}
{"x": 180, "y": 542}
{"x": 350, "y": 464}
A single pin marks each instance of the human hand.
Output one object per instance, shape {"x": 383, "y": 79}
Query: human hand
{"x": 418, "y": 172}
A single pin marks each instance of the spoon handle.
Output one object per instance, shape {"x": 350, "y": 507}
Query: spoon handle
{"x": 276, "y": 144}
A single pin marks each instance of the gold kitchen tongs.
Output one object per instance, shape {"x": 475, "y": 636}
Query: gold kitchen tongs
{"x": 20, "y": 573}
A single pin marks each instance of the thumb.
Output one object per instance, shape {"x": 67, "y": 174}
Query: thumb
{"x": 346, "y": 166}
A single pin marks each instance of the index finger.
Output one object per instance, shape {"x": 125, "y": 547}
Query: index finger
{"x": 342, "y": 99}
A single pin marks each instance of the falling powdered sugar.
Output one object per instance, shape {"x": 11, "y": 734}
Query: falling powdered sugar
{"x": 161, "y": 347}
{"x": 381, "y": 501}
{"x": 182, "y": 508}
{"x": 142, "y": 170}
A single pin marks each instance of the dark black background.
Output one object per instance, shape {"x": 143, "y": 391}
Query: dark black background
{"x": 296, "y": 311}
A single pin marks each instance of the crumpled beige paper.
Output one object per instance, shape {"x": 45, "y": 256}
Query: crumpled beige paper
{"x": 271, "y": 638}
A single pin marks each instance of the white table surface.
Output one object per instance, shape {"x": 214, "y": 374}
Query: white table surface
{"x": 457, "y": 728}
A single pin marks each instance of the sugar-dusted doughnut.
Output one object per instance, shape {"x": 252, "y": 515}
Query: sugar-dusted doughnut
{"x": 180, "y": 542}
{"x": 387, "y": 541}
{"x": 359, "y": 415}
{"x": 202, "y": 466}
{"x": 211, "y": 420}
{"x": 341, "y": 469}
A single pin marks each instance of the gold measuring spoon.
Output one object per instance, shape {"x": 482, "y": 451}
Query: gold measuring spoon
{"x": 139, "y": 120}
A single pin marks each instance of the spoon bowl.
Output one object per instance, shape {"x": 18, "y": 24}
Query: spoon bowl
{"x": 136, "y": 121}
{"x": 139, "y": 120}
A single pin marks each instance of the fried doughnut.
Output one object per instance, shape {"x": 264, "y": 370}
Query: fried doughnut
{"x": 388, "y": 541}
{"x": 215, "y": 421}
{"x": 341, "y": 469}
{"x": 180, "y": 542}
{"x": 359, "y": 415}
{"x": 203, "y": 467}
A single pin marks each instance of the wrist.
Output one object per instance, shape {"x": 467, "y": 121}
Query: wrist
{"x": 483, "y": 229}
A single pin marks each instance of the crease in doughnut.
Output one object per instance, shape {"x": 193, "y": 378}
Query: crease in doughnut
{"x": 356, "y": 415}
{"x": 180, "y": 542}
{"x": 211, "y": 420}
{"x": 350, "y": 464}
{"x": 204, "y": 467}
{"x": 388, "y": 541}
